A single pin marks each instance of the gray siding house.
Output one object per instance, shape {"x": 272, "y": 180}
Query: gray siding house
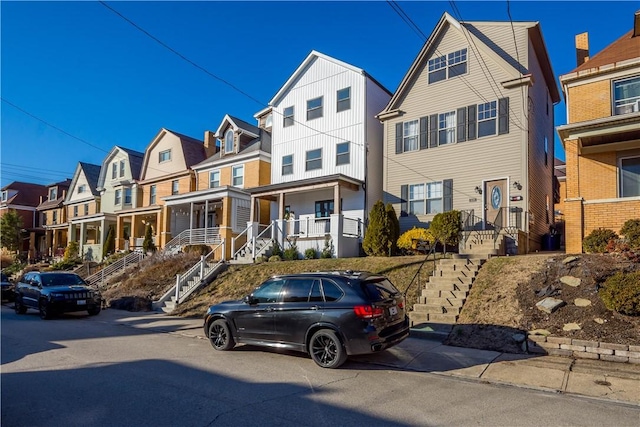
{"x": 470, "y": 128}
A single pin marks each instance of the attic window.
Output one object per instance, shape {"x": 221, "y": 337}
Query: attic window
{"x": 268, "y": 121}
{"x": 164, "y": 156}
{"x": 53, "y": 193}
{"x": 4, "y": 196}
{"x": 448, "y": 66}
{"x": 82, "y": 188}
{"x": 228, "y": 141}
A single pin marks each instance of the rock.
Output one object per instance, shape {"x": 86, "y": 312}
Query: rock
{"x": 581, "y": 302}
{"x": 570, "y": 281}
{"x": 571, "y": 327}
{"x": 570, "y": 259}
{"x": 519, "y": 338}
{"x": 549, "y": 305}
{"x": 599, "y": 321}
{"x": 542, "y": 332}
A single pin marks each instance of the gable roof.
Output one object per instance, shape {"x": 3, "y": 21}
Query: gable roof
{"x": 192, "y": 149}
{"x": 312, "y": 57}
{"x": 28, "y": 194}
{"x": 472, "y": 31}
{"x": 135, "y": 159}
{"x": 260, "y": 144}
{"x": 62, "y": 185}
{"x": 91, "y": 173}
{"x": 237, "y": 124}
{"x": 626, "y": 47}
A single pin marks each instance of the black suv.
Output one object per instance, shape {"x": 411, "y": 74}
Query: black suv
{"x": 328, "y": 315}
{"x": 55, "y": 292}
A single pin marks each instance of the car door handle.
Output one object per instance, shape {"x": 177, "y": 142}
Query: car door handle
{"x": 314, "y": 307}
{"x": 269, "y": 309}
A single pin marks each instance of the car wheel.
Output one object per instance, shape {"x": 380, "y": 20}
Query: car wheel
{"x": 326, "y": 349}
{"x": 94, "y": 311}
{"x": 220, "y": 335}
{"x": 45, "y": 310}
{"x": 20, "y": 308}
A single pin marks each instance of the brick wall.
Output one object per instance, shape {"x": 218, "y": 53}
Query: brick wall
{"x": 609, "y": 215}
{"x": 590, "y": 101}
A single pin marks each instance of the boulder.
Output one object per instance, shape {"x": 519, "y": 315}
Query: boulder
{"x": 570, "y": 259}
{"x": 570, "y": 281}
{"x": 582, "y": 302}
{"x": 549, "y": 305}
{"x": 571, "y": 327}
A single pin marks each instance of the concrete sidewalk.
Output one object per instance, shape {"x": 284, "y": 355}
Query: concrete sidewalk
{"x": 618, "y": 382}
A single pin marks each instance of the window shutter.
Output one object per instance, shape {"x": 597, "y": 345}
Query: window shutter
{"x": 404, "y": 196}
{"x": 423, "y": 132}
{"x": 447, "y": 195}
{"x": 503, "y": 116}
{"x": 398, "y": 138}
{"x": 433, "y": 130}
{"x": 471, "y": 122}
{"x": 461, "y": 117}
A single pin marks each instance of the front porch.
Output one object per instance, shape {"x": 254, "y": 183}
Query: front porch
{"x": 91, "y": 233}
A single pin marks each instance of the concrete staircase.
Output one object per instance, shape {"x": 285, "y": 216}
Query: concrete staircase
{"x": 446, "y": 290}
{"x": 248, "y": 253}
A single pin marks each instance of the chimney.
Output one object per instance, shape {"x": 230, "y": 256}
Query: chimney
{"x": 582, "y": 48}
{"x": 210, "y": 143}
{"x": 636, "y": 24}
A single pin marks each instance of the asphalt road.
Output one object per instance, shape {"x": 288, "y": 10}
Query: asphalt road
{"x": 80, "y": 370}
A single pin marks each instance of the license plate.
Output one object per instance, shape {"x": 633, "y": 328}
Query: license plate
{"x": 393, "y": 311}
{"x": 81, "y": 302}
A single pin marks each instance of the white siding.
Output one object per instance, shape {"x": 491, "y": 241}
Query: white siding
{"x": 74, "y": 196}
{"x": 109, "y": 184}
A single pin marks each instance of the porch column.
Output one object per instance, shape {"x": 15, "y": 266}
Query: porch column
{"x": 159, "y": 243}
{"x": 103, "y": 227}
{"x": 206, "y": 216}
{"x": 134, "y": 229}
{"x": 337, "y": 221}
{"x": 336, "y": 199}
{"x": 191, "y": 216}
{"x": 119, "y": 230}
{"x": 50, "y": 242}
{"x": 280, "y": 205}
{"x": 252, "y": 212}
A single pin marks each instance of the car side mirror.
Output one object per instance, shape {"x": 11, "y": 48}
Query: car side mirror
{"x": 249, "y": 299}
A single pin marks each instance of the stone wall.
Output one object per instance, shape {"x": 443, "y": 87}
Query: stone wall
{"x": 582, "y": 349}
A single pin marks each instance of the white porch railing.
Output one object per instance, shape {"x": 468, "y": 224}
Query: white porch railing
{"x": 308, "y": 227}
{"x": 130, "y": 259}
{"x": 254, "y": 245}
{"x": 194, "y": 236}
{"x": 352, "y": 227}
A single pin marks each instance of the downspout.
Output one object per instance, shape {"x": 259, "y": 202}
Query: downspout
{"x": 365, "y": 149}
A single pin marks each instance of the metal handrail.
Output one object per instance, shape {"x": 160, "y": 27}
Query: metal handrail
{"x": 234, "y": 239}
{"x": 432, "y": 250}
{"x": 196, "y": 270}
{"x": 121, "y": 264}
{"x": 194, "y": 236}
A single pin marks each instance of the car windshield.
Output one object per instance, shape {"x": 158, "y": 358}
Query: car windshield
{"x": 379, "y": 289}
{"x": 61, "y": 280}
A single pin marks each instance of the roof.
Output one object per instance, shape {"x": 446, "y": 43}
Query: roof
{"x": 262, "y": 143}
{"x": 57, "y": 202}
{"x": 28, "y": 194}
{"x": 626, "y": 47}
{"x": 192, "y": 149}
{"x": 135, "y": 161}
{"x": 92, "y": 173}
{"x": 473, "y": 31}
{"x": 302, "y": 68}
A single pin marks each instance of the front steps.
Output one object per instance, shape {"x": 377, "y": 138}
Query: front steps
{"x": 446, "y": 291}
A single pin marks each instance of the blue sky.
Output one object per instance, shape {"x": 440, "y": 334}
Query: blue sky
{"x": 84, "y": 70}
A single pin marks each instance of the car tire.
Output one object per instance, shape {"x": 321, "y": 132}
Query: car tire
{"x": 326, "y": 349}
{"x": 45, "y": 310}
{"x": 220, "y": 336}
{"x": 94, "y": 311}
{"x": 19, "y": 307}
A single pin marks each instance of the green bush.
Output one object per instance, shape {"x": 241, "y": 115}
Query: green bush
{"x": 147, "y": 243}
{"x": 446, "y": 227}
{"x": 597, "y": 240}
{"x": 631, "y": 231}
{"x": 377, "y": 237}
{"x": 198, "y": 249}
{"x": 393, "y": 226}
{"x": 291, "y": 253}
{"x": 274, "y": 258}
{"x": 621, "y": 293}
{"x": 65, "y": 264}
{"x": 327, "y": 251}
{"x": 276, "y": 250}
{"x": 109, "y": 245}
{"x": 407, "y": 241}
{"x": 72, "y": 250}
{"x": 310, "y": 254}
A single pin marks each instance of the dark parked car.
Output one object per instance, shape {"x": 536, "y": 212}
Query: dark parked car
{"x": 328, "y": 315}
{"x": 7, "y": 288}
{"x": 56, "y": 292}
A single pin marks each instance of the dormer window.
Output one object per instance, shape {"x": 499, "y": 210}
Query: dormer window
{"x": 268, "y": 121}
{"x": 4, "y": 196}
{"x": 121, "y": 168}
{"x": 626, "y": 95}
{"x": 228, "y": 141}
{"x": 53, "y": 193}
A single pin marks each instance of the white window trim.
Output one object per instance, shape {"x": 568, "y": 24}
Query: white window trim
{"x": 306, "y": 157}
{"x": 449, "y": 129}
{"x": 168, "y": 159}
{"x": 320, "y": 107}
{"x": 338, "y": 100}
{"x": 287, "y": 164}
{"x": 425, "y": 201}
{"x": 347, "y": 153}
{"x": 635, "y": 103}
{"x": 492, "y": 108}
{"x": 211, "y": 173}
{"x": 285, "y": 116}
{"x": 620, "y": 175}
{"x": 228, "y": 148}
{"x": 415, "y": 136}
{"x": 233, "y": 176}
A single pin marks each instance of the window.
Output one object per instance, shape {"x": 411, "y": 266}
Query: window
{"x": 344, "y": 99}
{"x": 287, "y": 164}
{"x": 630, "y": 177}
{"x": 82, "y": 188}
{"x": 268, "y": 121}
{"x": 127, "y": 196}
{"x": 55, "y": 217}
{"x": 342, "y": 154}
{"x": 121, "y": 168}
{"x": 86, "y": 208}
{"x": 175, "y": 186}
{"x": 425, "y": 198}
{"x": 53, "y": 193}
{"x": 314, "y": 159}
{"x": 288, "y": 117}
{"x": 314, "y": 108}
{"x": 152, "y": 195}
{"x": 298, "y": 290}
{"x": 237, "y": 176}
{"x": 228, "y": 141}
{"x": 626, "y": 95}
{"x": 487, "y": 119}
{"x": 75, "y": 210}
{"x": 114, "y": 170}
{"x": 214, "y": 179}
{"x": 324, "y": 208}
{"x": 410, "y": 136}
{"x": 44, "y": 218}
{"x": 546, "y": 151}
{"x": 4, "y": 196}
{"x": 164, "y": 156}
{"x": 447, "y": 128}
{"x": 447, "y": 66}
{"x": 118, "y": 197}
{"x": 269, "y": 291}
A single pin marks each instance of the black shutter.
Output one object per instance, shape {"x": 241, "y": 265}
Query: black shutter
{"x": 404, "y": 196}
{"x": 423, "y": 132}
{"x": 461, "y": 117}
{"x": 398, "y": 138}
{"x": 447, "y": 195}
{"x": 471, "y": 122}
{"x": 503, "y": 116}
{"x": 433, "y": 130}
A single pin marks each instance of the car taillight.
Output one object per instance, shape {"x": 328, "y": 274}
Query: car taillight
{"x": 401, "y": 304}
{"x": 368, "y": 311}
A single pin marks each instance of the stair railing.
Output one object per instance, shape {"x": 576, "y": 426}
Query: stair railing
{"x": 254, "y": 240}
{"x": 432, "y": 251}
{"x": 183, "y": 286}
{"x": 118, "y": 266}
{"x": 244, "y": 233}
